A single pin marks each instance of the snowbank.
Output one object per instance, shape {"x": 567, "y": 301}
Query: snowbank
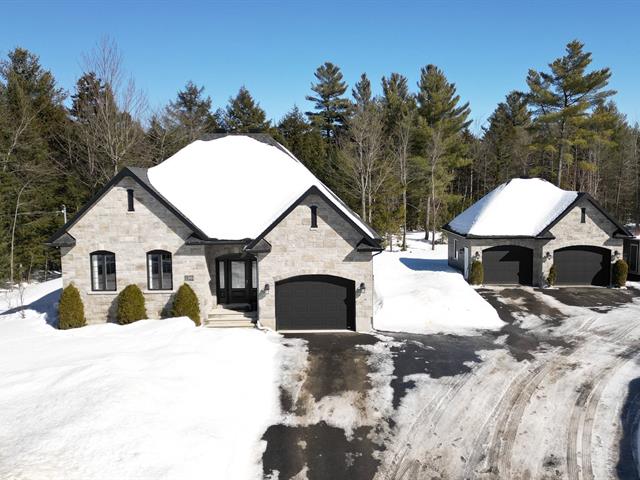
{"x": 154, "y": 399}
{"x": 519, "y": 207}
{"x": 254, "y": 181}
{"x": 417, "y": 292}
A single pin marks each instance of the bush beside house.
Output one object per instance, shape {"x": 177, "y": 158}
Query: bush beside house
{"x": 476, "y": 277}
{"x": 551, "y": 279}
{"x": 70, "y": 309}
{"x": 186, "y": 304}
{"x": 131, "y": 305}
{"x": 620, "y": 271}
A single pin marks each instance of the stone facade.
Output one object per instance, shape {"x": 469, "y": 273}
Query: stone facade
{"x": 297, "y": 249}
{"x": 569, "y": 231}
{"x": 329, "y": 249}
{"x": 107, "y": 225}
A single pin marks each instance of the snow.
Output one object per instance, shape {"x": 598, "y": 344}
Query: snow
{"x": 254, "y": 181}
{"x": 157, "y": 399}
{"x": 418, "y": 292}
{"x": 519, "y": 207}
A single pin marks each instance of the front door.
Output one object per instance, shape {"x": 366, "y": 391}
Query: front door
{"x": 236, "y": 281}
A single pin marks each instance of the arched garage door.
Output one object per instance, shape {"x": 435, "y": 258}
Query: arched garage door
{"x": 582, "y": 265}
{"x": 315, "y": 302}
{"x": 507, "y": 265}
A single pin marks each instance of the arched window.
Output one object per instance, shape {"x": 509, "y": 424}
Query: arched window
{"x": 103, "y": 271}
{"x": 159, "y": 270}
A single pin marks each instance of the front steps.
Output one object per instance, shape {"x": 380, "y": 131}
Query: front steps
{"x": 224, "y": 317}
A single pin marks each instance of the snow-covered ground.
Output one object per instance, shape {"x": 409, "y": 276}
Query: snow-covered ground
{"x": 416, "y": 291}
{"x": 154, "y": 399}
{"x": 558, "y": 414}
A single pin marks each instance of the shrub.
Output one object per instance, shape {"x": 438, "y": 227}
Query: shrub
{"x": 70, "y": 309}
{"x": 186, "y": 304}
{"x": 476, "y": 277}
{"x": 620, "y": 271}
{"x": 131, "y": 305}
{"x": 551, "y": 279}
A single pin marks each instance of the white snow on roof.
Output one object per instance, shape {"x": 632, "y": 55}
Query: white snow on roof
{"x": 235, "y": 186}
{"x": 519, "y": 207}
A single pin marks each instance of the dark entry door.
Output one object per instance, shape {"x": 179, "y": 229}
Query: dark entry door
{"x": 315, "y": 302}
{"x": 508, "y": 265}
{"x": 236, "y": 280}
{"x": 582, "y": 265}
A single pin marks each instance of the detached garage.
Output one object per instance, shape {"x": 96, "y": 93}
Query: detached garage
{"x": 315, "y": 302}
{"x": 583, "y": 265}
{"x": 527, "y": 225}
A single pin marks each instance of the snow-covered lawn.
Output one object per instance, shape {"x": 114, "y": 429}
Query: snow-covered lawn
{"x": 418, "y": 292}
{"x": 155, "y": 399}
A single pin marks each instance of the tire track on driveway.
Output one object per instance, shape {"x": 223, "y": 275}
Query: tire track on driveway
{"x": 579, "y": 435}
{"x": 430, "y": 417}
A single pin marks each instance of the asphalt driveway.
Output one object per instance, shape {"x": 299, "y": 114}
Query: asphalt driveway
{"x": 561, "y": 375}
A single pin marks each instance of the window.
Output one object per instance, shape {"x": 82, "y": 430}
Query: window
{"x": 455, "y": 249}
{"x": 103, "y": 271}
{"x": 314, "y": 216}
{"x": 159, "y": 270}
{"x": 130, "y": 200}
{"x": 583, "y": 215}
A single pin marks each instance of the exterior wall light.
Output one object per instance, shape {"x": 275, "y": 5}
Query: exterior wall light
{"x": 476, "y": 256}
{"x": 362, "y": 287}
{"x": 266, "y": 288}
{"x": 547, "y": 256}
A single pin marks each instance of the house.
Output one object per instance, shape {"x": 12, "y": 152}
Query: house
{"x": 526, "y": 225}
{"x": 632, "y": 250}
{"x": 239, "y": 219}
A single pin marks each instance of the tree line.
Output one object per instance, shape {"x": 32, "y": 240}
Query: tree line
{"x": 404, "y": 159}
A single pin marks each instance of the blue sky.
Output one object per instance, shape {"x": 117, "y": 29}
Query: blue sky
{"x": 273, "y": 47}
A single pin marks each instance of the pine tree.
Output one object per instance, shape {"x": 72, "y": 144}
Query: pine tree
{"x": 331, "y": 108}
{"x": 190, "y": 113}
{"x": 561, "y": 99}
{"x": 507, "y": 141}
{"x": 32, "y": 118}
{"x": 441, "y": 124}
{"x": 244, "y": 115}
{"x": 304, "y": 141}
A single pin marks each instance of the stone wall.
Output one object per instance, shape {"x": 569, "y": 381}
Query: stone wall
{"x": 298, "y": 249}
{"x": 130, "y": 235}
{"x": 596, "y": 231}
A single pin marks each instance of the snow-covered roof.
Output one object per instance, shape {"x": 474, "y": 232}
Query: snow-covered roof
{"x": 235, "y": 186}
{"x": 519, "y": 207}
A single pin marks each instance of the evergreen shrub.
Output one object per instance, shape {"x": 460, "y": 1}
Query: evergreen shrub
{"x": 131, "y": 305}
{"x": 620, "y": 271}
{"x": 186, "y": 304}
{"x": 476, "y": 277}
{"x": 70, "y": 309}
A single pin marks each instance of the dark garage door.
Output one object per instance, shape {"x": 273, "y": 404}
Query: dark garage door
{"x": 582, "y": 265}
{"x": 315, "y": 302}
{"x": 507, "y": 265}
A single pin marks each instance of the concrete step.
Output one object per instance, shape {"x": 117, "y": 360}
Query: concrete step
{"x": 222, "y": 323}
{"x": 220, "y": 314}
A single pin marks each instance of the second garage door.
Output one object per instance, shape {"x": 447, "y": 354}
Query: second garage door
{"x": 315, "y": 302}
{"x": 582, "y": 265}
{"x": 507, "y": 265}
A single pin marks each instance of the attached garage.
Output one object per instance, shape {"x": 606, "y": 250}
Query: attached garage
{"x": 508, "y": 265}
{"x": 582, "y": 265}
{"x": 315, "y": 302}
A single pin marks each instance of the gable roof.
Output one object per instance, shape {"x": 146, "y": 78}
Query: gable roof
{"x": 520, "y": 208}
{"x": 228, "y": 189}
{"x": 234, "y": 187}
{"x": 139, "y": 175}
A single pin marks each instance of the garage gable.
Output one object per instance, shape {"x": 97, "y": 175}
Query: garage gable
{"x": 585, "y": 220}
